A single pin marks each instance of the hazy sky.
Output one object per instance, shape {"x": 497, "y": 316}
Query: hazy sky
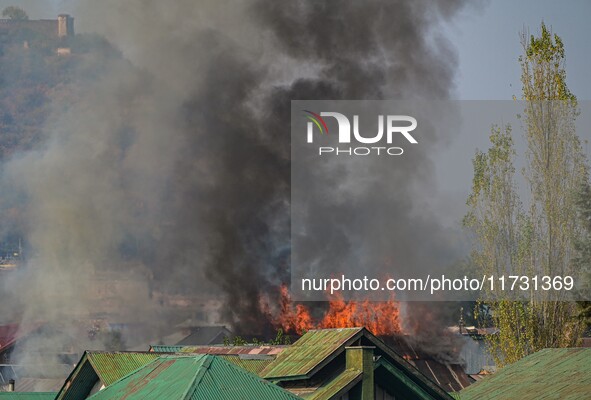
{"x": 488, "y": 45}
{"x": 487, "y": 41}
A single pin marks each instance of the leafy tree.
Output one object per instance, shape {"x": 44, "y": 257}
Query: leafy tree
{"x": 541, "y": 238}
{"x": 15, "y": 13}
{"x": 583, "y": 260}
{"x": 280, "y": 339}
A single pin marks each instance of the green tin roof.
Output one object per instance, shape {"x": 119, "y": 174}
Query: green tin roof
{"x": 254, "y": 366}
{"x": 337, "y": 386}
{"x": 301, "y": 358}
{"x": 548, "y": 374}
{"x": 313, "y": 351}
{"x": 200, "y": 377}
{"x": 166, "y": 349}
{"x": 106, "y": 366}
{"x": 27, "y": 395}
{"x": 111, "y": 367}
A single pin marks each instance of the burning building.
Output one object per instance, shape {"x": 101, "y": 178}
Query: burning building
{"x": 175, "y": 154}
{"x": 329, "y": 364}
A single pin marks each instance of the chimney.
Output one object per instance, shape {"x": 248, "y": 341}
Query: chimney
{"x": 361, "y": 358}
{"x": 11, "y": 385}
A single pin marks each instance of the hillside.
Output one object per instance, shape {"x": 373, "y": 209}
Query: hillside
{"x": 34, "y": 78}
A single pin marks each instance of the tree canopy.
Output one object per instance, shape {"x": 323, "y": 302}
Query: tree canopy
{"x": 538, "y": 236}
{"x": 15, "y": 13}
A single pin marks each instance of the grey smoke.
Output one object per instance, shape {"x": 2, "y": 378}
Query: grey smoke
{"x": 182, "y": 154}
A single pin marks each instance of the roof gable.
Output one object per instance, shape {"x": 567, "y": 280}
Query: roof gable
{"x": 317, "y": 348}
{"x": 107, "y": 367}
{"x": 111, "y": 367}
{"x": 310, "y": 352}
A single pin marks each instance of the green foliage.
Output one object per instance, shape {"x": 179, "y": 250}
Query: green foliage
{"x": 15, "y": 13}
{"x": 583, "y": 259}
{"x": 540, "y": 238}
{"x": 543, "y": 74}
{"x": 280, "y": 339}
{"x": 238, "y": 341}
{"x": 495, "y": 213}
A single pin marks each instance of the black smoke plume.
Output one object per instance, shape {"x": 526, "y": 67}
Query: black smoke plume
{"x": 174, "y": 163}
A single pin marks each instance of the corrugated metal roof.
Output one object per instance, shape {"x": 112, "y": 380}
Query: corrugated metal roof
{"x": 337, "y": 386}
{"x": 254, "y": 366}
{"x": 112, "y": 366}
{"x": 308, "y": 352}
{"x": 226, "y": 381}
{"x": 166, "y": 349}
{"x": 201, "y": 377}
{"x": 219, "y": 350}
{"x": 450, "y": 376}
{"x": 108, "y": 367}
{"x": 548, "y": 374}
{"x": 232, "y": 354}
{"x": 27, "y": 395}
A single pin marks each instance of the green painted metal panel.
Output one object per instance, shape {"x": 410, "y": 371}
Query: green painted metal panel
{"x": 253, "y": 366}
{"x": 112, "y": 366}
{"x": 166, "y": 349}
{"x": 163, "y": 378}
{"x": 547, "y": 374}
{"x": 192, "y": 377}
{"x": 27, "y": 395}
{"x": 228, "y": 382}
{"x": 337, "y": 385}
{"x": 108, "y": 367}
{"x": 308, "y": 352}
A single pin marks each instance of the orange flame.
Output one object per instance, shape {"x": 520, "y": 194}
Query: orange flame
{"x": 290, "y": 319}
{"x": 381, "y": 318}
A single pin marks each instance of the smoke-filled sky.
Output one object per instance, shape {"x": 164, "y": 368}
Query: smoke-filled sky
{"x": 184, "y": 150}
{"x": 485, "y": 37}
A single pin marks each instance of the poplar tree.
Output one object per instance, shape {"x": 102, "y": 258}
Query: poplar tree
{"x": 539, "y": 238}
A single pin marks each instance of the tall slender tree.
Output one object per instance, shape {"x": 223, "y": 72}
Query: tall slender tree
{"x": 540, "y": 238}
